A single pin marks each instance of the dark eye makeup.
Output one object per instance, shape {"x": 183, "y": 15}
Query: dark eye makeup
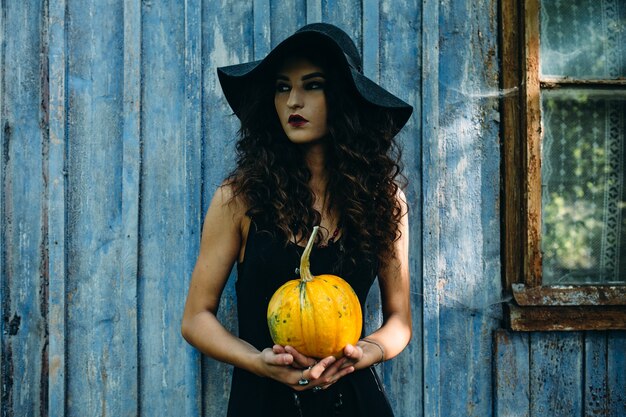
{"x": 282, "y": 87}
{"x": 314, "y": 85}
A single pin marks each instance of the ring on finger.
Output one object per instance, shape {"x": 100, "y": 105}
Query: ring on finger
{"x": 318, "y": 388}
{"x": 303, "y": 381}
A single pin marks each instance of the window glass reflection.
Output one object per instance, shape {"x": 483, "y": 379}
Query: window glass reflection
{"x": 583, "y": 187}
{"x": 583, "y": 39}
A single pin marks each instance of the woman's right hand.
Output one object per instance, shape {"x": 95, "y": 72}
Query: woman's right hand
{"x": 279, "y": 365}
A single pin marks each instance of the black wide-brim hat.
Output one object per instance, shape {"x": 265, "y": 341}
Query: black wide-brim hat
{"x": 338, "y": 47}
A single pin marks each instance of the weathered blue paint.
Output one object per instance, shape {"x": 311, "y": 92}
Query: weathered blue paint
{"x": 114, "y": 136}
{"x": 193, "y": 168}
{"x": 397, "y": 66}
{"x": 371, "y": 39}
{"x": 431, "y": 203}
{"x": 262, "y": 28}
{"x": 461, "y": 222}
{"x": 131, "y": 171}
{"x": 167, "y": 190}
{"x": 594, "y": 382}
{"x": 604, "y": 379}
{"x": 56, "y": 198}
{"x": 23, "y": 208}
{"x": 556, "y": 374}
{"x": 511, "y": 374}
{"x": 616, "y": 374}
{"x": 348, "y": 15}
{"x": 99, "y": 322}
{"x": 313, "y": 11}
{"x": 560, "y": 374}
{"x": 286, "y": 17}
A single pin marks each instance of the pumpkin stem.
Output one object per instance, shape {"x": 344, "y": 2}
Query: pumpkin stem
{"x": 305, "y": 269}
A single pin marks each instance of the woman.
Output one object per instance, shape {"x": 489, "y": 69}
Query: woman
{"x": 316, "y": 148}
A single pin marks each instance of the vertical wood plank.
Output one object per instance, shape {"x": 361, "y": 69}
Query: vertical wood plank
{"x": 131, "y": 172}
{"x": 193, "y": 169}
{"x": 371, "y": 39}
{"x": 395, "y": 63}
{"x": 348, "y": 15}
{"x": 616, "y": 374}
{"x": 286, "y": 17}
{"x": 23, "y": 229}
{"x": 595, "y": 374}
{"x": 4, "y": 293}
{"x": 313, "y": 11}
{"x": 511, "y": 374}
{"x": 432, "y": 237}
{"x": 605, "y": 380}
{"x": 164, "y": 267}
{"x": 228, "y": 39}
{"x": 98, "y": 318}
{"x": 262, "y": 28}
{"x": 467, "y": 191}
{"x": 556, "y": 368}
{"x": 57, "y": 197}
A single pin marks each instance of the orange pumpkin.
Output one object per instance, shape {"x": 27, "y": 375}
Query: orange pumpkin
{"x": 317, "y": 315}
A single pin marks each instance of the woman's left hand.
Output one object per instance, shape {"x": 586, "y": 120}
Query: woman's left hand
{"x": 352, "y": 355}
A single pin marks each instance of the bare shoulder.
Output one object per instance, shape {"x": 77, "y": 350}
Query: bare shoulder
{"x": 402, "y": 202}
{"x": 227, "y": 205}
{"x": 400, "y": 196}
{"x": 225, "y": 196}
{"x": 226, "y": 217}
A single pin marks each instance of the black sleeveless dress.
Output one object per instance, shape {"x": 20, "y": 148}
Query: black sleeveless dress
{"x": 267, "y": 265}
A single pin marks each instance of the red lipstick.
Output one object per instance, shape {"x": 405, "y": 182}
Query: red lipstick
{"x": 296, "y": 120}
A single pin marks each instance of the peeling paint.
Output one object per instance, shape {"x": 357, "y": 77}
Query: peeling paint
{"x": 14, "y": 325}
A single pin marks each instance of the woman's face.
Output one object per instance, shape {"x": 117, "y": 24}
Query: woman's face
{"x": 300, "y": 101}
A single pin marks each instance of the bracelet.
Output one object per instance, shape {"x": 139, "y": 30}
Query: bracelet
{"x": 382, "y": 351}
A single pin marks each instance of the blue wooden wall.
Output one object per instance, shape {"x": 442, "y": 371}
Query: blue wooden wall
{"x": 114, "y": 134}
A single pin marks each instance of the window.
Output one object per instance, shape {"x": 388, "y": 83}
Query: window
{"x": 564, "y": 160}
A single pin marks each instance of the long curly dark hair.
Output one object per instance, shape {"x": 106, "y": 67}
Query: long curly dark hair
{"x": 362, "y": 161}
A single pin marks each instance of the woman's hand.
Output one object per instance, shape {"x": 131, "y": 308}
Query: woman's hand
{"x": 352, "y": 355}
{"x": 276, "y": 364}
{"x": 287, "y": 365}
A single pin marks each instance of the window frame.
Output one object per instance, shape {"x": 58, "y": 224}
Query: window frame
{"x": 535, "y": 306}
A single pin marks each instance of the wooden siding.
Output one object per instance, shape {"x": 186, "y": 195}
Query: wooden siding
{"x": 461, "y": 274}
{"x": 560, "y": 374}
{"x": 114, "y": 136}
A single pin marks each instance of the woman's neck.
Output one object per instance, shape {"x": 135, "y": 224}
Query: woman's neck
{"x": 315, "y": 158}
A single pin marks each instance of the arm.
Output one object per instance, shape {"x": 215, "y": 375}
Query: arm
{"x": 219, "y": 248}
{"x": 395, "y": 333}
